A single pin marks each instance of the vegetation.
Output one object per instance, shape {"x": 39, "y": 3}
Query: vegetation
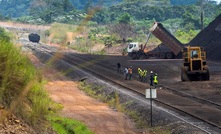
{"x": 21, "y": 85}
{"x": 22, "y": 92}
{"x": 68, "y": 126}
{"x": 87, "y": 22}
{"x": 133, "y": 17}
{"x": 113, "y": 99}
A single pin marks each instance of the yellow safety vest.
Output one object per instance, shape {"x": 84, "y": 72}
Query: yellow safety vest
{"x": 155, "y": 79}
{"x": 145, "y": 73}
{"x": 139, "y": 71}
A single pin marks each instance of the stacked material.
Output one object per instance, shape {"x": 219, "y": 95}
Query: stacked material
{"x": 210, "y": 39}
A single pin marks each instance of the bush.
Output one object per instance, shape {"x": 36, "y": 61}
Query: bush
{"x": 16, "y": 71}
{"x": 4, "y": 36}
{"x": 21, "y": 86}
{"x": 68, "y": 126}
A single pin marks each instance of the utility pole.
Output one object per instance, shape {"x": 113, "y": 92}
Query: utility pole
{"x": 201, "y": 14}
{"x": 151, "y": 94}
{"x": 151, "y": 109}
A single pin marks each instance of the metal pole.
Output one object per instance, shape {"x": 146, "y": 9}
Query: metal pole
{"x": 201, "y": 14}
{"x": 150, "y": 107}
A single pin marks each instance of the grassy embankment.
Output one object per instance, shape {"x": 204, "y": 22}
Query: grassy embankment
{"x": 22, "y": 93}
{"x": 113, "y": 100}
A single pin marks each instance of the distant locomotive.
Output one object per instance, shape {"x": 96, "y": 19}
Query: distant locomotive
{"x": 34, "y": 37}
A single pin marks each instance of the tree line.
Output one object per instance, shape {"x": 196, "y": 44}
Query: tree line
{"x": 134, "y": 16}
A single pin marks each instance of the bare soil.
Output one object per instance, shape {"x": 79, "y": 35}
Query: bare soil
{"x": 99, "y": 117}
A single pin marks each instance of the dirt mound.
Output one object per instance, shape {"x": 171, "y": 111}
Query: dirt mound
{"x": 210, "y": 39}
{"x": 12, "y": 125}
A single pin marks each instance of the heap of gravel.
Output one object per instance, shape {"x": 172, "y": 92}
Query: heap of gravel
{"x": 210, "y": 39}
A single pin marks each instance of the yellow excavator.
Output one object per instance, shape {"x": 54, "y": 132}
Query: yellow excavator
{"x": 194, "y": 64}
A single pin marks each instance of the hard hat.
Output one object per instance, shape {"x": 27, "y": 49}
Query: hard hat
{"x": 151, "y": 72}
{"x": 155, "y": 73}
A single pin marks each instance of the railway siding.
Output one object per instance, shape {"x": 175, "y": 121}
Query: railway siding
{"x": 192, "y": 108}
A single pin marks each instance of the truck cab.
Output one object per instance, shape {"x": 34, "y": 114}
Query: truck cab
{"x": 136, "y": 51}
{"x": 133, "y": 46}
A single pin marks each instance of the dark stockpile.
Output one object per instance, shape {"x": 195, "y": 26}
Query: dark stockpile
{"x": 210, "y": 39}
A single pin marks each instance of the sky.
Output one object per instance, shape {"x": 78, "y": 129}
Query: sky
{"x": 218, "y": 1}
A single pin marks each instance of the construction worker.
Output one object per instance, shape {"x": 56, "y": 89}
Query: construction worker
{"x": 144, "y": 75}
{"x": 118, "y": 67}
{"x": 155, "y": 80}
{"x": 139, "y": 72}
{"x": 151, "y": 78}
{"x": 126, "y": 72}
{"x": 130, "y": 72}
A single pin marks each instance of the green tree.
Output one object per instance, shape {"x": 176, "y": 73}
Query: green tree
{"x": 217, "y": 10}
{"x": 67, "y": 6}
{"x": 190, "y": 19}
{"x": 49, "y": 10}
{"x": 125, "y": 18}
{"x": 1, "y": 17}
{"x": 88, "y": 5}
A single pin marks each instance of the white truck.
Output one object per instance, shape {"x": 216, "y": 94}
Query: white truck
{"x": 139, "y": 51}
{"x": 169, "y": 49}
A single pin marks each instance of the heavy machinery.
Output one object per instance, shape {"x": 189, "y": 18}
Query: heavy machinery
{"x": 169, "y": 49}
{"x": 194, "y": 65}
{"x": 194, "y": 57}
{"x": 139, "y": 51}
{"x": 174, "y": 45}
{"x": 34, "y": 37}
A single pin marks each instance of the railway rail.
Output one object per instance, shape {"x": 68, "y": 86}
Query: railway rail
{"x": 199, "y": 108}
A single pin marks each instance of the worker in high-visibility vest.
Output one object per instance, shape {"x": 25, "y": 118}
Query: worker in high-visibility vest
{"x": 151, "y": 78}
{"x": 139, "y": 72}
{"x": 144, "y": 76}
{"x": 130, "y": 70}
{"x": 155, "y": 80}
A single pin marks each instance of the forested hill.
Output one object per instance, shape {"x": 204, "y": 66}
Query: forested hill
{"x": 82, "y": 4}
{"x": 18, "y": 8}
{"x": 181, "y": 13}
{"x": 188, "y": 2}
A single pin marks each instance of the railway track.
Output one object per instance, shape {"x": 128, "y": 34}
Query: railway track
{"x": 199, "y": 101}
{"x": 193, "y": 106}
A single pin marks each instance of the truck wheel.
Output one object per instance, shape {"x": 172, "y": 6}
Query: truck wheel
{"x": 169, "y": 56}
{"x": 206, "y": 76}
{"x": 138, "y": 56}
{"x": 143, "y": 57}
{"x": 162, "y": 55}
{"x": 134, "y": 56}
{"x": 184, "y": 76}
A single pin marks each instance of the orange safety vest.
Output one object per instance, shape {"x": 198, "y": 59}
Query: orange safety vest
{"x": 129, "y": 70}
